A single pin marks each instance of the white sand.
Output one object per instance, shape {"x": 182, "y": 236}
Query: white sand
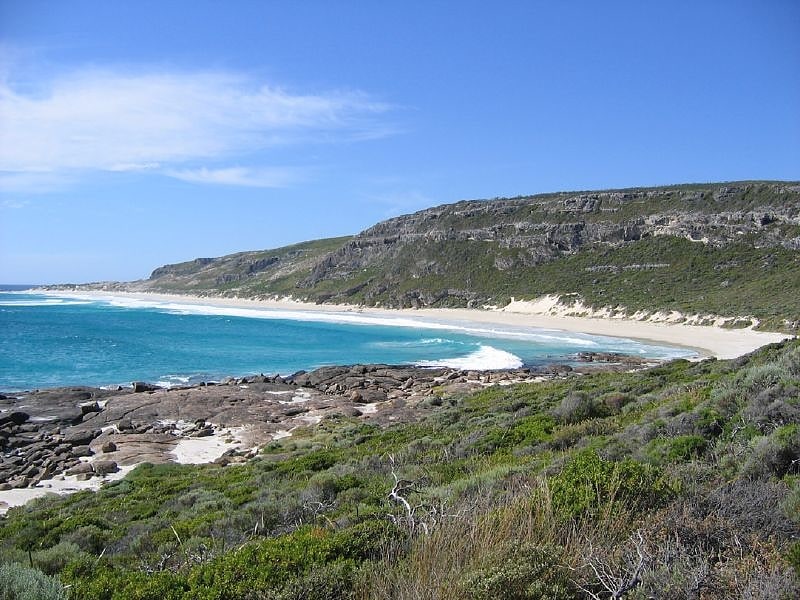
{"x": 545, "y": 313}
{"x": 200, "y": 450}
{"x": 68, "y": 485}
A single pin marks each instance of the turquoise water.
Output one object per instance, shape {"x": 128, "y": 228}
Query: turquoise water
{"x": 48, "y": 340}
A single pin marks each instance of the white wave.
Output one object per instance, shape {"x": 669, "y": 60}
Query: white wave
{"x": 169, "y": 381}
{"x": 414, "y": 343}
{"x": 48, "y": 302}
{"x": 484, "y": 358}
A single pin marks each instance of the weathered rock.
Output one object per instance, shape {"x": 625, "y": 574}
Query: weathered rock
{"x": 370, "y": 396}
{"x": 104, "y": 467}
{"x": 80, "y": 437}
{"x": 83, "y": 467}
{"x": 141, "y": 386}
{"x": 16, "y": 417}
{"x": 82, "y": 451}
{"x": 125, "y": 425}
{"x": 89, "y": 407}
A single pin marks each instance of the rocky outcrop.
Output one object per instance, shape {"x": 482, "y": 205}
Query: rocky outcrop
{"x": 48, "y": 433}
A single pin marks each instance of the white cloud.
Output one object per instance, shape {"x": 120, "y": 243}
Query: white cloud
{"x": 242, "y": 176}
{"x": 101, "y": 120}
{"x": 13, "y": 204}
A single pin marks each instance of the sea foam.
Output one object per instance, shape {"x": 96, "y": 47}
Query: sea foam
{"x": 484, "y": 358}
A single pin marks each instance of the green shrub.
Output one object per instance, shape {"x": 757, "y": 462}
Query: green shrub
{"x": 270, "y": 565}
{"x": 53, "y": 560}
{"x": 776, "y": 454}
{"x": 578, "y": 406}
{"x": 588, "y": 486}
{"x": 663, "y": 451}
{"x": 115, "y": 584}
{"x": 333, "y": 581}
{"x": 793, "y": 557}
{"x": 22, "y": 583}
{"x": 528, "y": 572}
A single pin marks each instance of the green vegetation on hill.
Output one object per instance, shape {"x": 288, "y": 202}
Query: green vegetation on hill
{"x": 723, "y": 249}
{"x": 681, "y": 481}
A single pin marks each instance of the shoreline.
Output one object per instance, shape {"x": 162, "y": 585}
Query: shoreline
{"x": 705, "y": 340}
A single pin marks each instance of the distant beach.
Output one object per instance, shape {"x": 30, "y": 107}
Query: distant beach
{"x": 706, "y": 340}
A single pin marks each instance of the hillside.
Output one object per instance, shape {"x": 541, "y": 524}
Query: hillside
{"x": 728, "y": 249}
{"x": 676, "y": 482}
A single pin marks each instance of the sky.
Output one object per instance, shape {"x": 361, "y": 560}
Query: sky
{"x": 139, "y": 133}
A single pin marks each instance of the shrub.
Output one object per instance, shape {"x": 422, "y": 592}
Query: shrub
{"x": 527, "y": 572}
{"x": 793, "y": 557}
{"x": 577, "y": 406}
{"x": 89, "y": 538}
{"x": 589, "y": 486}
{"x": 680, "y": 448}
{"x": 23, "y": 583}
{"x": 53, "y": 560}
{"x": 333, "y": 581}
{"x": 776, "y": 454}
{"x": 114, "y": 584}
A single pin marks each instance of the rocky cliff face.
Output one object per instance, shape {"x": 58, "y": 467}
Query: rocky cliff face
{"x": 542, "y": 228}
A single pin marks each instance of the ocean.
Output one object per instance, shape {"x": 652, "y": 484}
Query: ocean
{"x": 51, "y": 340}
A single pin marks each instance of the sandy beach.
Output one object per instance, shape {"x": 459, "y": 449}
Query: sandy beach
{"x": 545, "y": 313}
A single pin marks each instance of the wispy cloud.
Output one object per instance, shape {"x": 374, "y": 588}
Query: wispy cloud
{"x": 241, "y": 176}
{"x": 168, "y": 122}
{"x": 13, "y": 204}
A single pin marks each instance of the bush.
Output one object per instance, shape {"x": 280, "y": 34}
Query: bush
{"x": 113, "y": 584}
{"x": 776, "y": 454}
{"x": 681, "y": 448}
{"x": 333, "y": 581}
{"x": 576, "y": 407}
{"x": 53, "y": 560}
{"x": 23, "y": 583}
{"x": 589, "y": 486}
{"x": 528, "y": 572}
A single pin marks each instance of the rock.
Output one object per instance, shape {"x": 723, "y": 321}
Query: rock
{"x": 141, "y": 386}
{"x": 89, "y": 407}
{"x": 104, "y": 467}
{"x": 80, "y": 437}
{"x": 108, "y": 447}
{"x": 370, "y": 396}
{"x": 83, "y": 467}
{"x": 16, "y": 417}
{"x": 81, "y": 451}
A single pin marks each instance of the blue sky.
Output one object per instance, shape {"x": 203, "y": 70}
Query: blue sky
{"x": 134, "y": 134}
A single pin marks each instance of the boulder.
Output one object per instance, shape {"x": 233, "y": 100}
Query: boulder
{"x": 104, "y": 467}
{"x": 81, "y": 451}
{"x": 89, "y": 407}
{"x": 141, "y": 386}
{"x": 83, "y": 467}
{"x": 16, "y": 417}
{"x": 80, "y": 437}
